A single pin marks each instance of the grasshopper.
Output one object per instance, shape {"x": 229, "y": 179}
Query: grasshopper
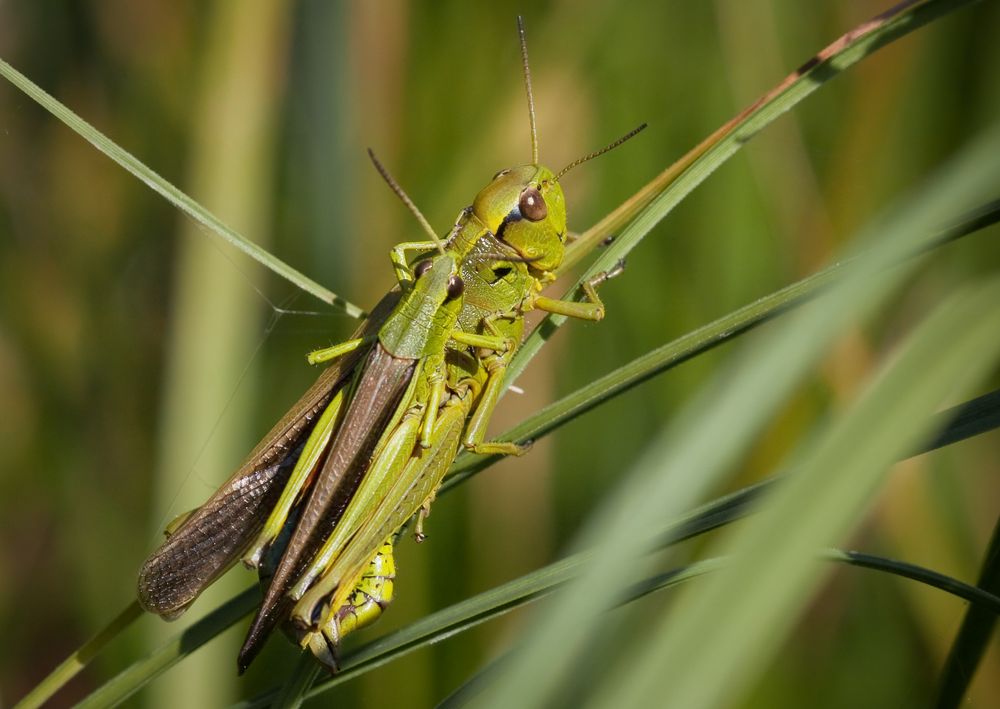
{"x": 319, "y": 502}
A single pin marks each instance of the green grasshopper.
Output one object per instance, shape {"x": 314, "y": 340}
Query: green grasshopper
{"x": 320, "y": 500}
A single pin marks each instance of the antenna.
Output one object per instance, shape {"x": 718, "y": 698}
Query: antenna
{"x": 610, "y": 146}
{"x": 527, "y": 86}
{"x": 394, "y": 186}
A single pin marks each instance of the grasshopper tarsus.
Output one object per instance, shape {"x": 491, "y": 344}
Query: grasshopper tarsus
{"x": 613, "y": 272}
{"x": 605, "y": 276}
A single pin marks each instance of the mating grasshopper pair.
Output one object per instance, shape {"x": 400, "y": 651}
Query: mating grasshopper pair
{"x": 319, "y": 502}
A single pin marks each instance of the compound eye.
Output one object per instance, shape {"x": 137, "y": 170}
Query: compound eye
{"x": 532, "y": 205}
{"x": 455, "y": 287}
{"x": 422, "y": 268}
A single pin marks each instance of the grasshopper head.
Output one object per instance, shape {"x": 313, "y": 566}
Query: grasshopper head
{"x": 524, "y": 208}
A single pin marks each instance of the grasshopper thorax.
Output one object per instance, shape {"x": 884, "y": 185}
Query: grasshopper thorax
{"x": 427, "y": 312}
{"x": 524, "y": 207}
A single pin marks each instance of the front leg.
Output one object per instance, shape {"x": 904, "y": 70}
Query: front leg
{"x": 591, "y": 308}
{"x": 400, "y": 262}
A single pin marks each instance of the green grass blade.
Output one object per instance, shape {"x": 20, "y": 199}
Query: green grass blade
{"x": 979, "y": 597}
{"x": 974, "y": 635}
{"x": 730, "y": 628}
{"x": 977, "y": 416}
{"x": 69, "y": 667}
{"x": 652, "y": 203}
{"x": 133, "y": 678}
{"x": 980, "y": 600}
{"x": 173, "y": 195}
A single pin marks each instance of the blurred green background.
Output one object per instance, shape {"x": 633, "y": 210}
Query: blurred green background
{"x": 140, "y": 359}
